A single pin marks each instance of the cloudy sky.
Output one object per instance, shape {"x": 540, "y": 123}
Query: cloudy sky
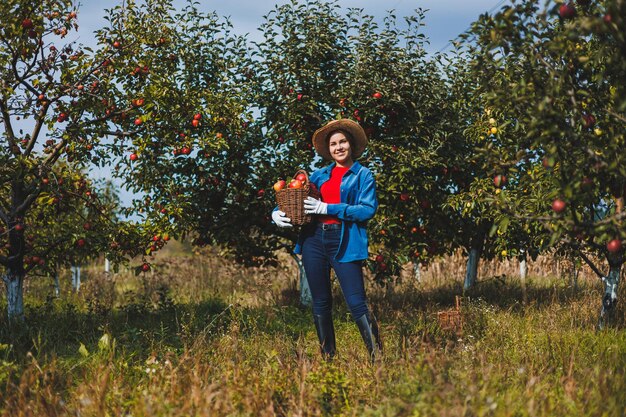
{"x": 445, "y": 19}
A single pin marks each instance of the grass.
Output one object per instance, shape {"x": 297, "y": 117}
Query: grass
{"x": 202, "y": 337}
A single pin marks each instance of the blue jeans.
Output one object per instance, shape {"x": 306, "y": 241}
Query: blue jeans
{"x": 318, "y": 256}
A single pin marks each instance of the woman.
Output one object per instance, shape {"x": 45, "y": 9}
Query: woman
{"x": 338, "y": 237}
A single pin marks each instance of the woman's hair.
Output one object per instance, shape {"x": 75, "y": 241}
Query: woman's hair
{"x": 347, "y": 134}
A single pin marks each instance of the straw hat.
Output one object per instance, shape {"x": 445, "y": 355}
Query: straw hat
{"x": 358, "y": 142}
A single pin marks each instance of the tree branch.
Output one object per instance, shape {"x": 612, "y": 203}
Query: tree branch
{"x": 591, "y": 264}
{"x": 37, "y": 129}
{"x": 9, "y": 129}
{"x": 28, "y": 201}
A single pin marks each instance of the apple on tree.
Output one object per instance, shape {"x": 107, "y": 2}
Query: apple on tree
{"x": 614, "y": 246}
{"x": 558, "y": 205}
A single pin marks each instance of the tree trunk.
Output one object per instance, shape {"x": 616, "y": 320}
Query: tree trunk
{"x": 523, "y": 272}
{"x": 611, "y": 281}
{"x": 471, "y": 271}
{"x": 574, "y": 276}
{"x": 476, "y": 249}
{"x": 75, "y": 278}
{"x": 14, "y": 284}
{"x": 305, "y": 292}
{"x": 57, "y": 285}
{"x": 417, "y": 271}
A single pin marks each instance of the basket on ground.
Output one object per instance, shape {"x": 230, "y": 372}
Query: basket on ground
{"x": 291, "y": 200}
{"x": 451, "y": 320}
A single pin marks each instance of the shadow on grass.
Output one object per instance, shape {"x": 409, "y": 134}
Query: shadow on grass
{"x": 58, "y": 327}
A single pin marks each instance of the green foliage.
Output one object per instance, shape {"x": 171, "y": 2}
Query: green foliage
{"x": 555, "y": 85}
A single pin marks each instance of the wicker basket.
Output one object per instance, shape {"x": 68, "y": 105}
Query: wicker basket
{"x": 291, "y": 200}
{"x": 451, "y": 320}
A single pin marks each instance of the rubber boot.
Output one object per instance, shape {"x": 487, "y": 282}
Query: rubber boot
{"x": 325, "y": 334}
{"x": 369, "y": 332}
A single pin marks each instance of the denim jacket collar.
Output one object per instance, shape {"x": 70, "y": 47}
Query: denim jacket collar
{"x": 353, "y": 169}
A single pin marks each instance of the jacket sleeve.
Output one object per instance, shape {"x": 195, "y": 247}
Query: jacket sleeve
{"x": 366, "y": 205}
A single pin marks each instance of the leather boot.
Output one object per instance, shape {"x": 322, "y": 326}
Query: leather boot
{"x": 368, "y": 326}
{"x": 325, "y": 334}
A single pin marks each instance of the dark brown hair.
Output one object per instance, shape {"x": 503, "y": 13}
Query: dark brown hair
{"x": 348, "y": 136}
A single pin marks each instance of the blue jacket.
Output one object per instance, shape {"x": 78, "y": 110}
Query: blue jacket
{"x": 358, "y": 205}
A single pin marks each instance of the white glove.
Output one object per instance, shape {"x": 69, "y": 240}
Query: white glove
{"x": 280, "y": 219}
{"x": 315, "y": 206}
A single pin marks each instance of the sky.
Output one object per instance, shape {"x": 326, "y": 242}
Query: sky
{"x": 445, "y": 20}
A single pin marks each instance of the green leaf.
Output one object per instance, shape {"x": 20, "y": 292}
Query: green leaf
{"x": 83, "y": 350}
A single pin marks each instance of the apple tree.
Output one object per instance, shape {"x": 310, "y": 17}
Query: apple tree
{"x": 136, "y": 96}
{"x": 179, "y": 83}
{"x": 318, "y": 63}
{"x": 557, "y": 73}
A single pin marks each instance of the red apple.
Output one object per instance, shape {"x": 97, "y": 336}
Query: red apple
{"x": 301, "y": 177}
{"x": 377, "y": 95}
{"x": 19, "y": 227}
{"x": 186, "y": 150}
{"x": 567, "y": 10}
{"x": 295, "y": 184}
{"x": 614, "y": 246}
{"x": 87, "y": 226}
{"x": 197, "y": 116}
{"x": 404, "y": 197}
{"x": 499, "y": 180}
{"x": 380, "y": 258}
{"x": 300, "y": 96}
{"x": 80, "y": 243}
{"x": 279, "y": 185}
{"x": 138, "y": 121}
{"x": 558, "y": 205}
{"x": 195, "y": 122}
{"x": 589, "y": 120}
{"x": 260, "y": 193}
{"x": 27, "y": 24}
{"x": 145, "y": 267}
{"x": 133, "y": 157}
{"x": 117, "y": 44}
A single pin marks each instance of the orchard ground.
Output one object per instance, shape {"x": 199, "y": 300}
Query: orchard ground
{"x": 200, "y": 336}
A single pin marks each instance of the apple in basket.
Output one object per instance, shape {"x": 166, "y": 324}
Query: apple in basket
{"x": 301, "y": 177}
{"x": 279, "y": 185}
{"x": 295, "y": 183}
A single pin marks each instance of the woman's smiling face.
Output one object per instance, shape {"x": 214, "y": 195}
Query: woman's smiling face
{"x": 340, "y": 149}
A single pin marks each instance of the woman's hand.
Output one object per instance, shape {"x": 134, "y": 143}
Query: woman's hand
{"x": 280, "y": 219}
{"x": 315, "y": 206}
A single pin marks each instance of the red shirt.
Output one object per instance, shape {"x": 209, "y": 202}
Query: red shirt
{"x": 331, "y": 192}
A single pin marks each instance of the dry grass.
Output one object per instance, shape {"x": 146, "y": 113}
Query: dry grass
{"x": 199, "y": 336}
